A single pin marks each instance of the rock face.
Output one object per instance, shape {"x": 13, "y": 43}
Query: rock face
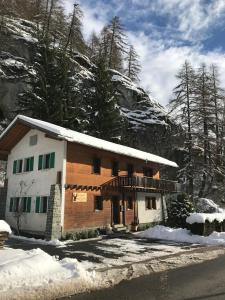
{"x": 154, "y": 131}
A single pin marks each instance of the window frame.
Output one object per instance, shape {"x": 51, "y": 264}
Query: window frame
{"x": 98, "y": 171}
{"x": 18, "y": 166}
{"x": 150, "y": 203}
{"x": 98, "y": 200}
{"x": 42, "y": 161}
{"x": 28, "y": 161}
{"x": 115, "y": 168}
{"x": 40, "y": 208}
{"x": 14, "y": 204}
{"x": 33, "y": 140}
{"x": 26, "y": 204}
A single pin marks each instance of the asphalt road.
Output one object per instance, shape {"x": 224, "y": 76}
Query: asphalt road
{"x": 195, "y": 282}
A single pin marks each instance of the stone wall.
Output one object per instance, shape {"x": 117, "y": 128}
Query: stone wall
{"x": 53, "y": 224}
{"x": 3, "y": 197}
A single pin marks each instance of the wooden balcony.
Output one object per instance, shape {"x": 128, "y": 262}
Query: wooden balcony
{"x": 141, "y": 184}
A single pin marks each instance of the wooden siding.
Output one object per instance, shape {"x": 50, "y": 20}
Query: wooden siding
{"x": 79, "y": 172}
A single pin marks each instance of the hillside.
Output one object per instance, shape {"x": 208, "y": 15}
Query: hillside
{"x": 152, "y": 130}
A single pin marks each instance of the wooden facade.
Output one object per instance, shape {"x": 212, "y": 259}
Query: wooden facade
{"x": 80, "y": 179}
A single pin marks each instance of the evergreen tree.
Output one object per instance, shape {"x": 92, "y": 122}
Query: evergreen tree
{"x": 178, "y": 210}
{"x": 105, "y": 120}
{"x": 53, "y": 95}
{"x": 133, "y": 65}
{"x": 116, "y": 42}
{"x": 182, "y": 109}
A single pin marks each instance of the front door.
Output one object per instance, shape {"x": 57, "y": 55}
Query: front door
{"x": 116, "y": 210}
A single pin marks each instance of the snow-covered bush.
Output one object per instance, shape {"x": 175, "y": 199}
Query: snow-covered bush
{"x": 178, "y": 210}
{"x": 204, "y": 205}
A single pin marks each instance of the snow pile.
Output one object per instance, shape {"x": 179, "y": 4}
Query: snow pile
{"x": 183, "y": 235}
{"x": 41, "y": 241}
{"x": 22, "y": 269}
{"x": 201, "y": 217}
{"x": 204, "y": 205}
{"x": 4, "y": 227}
{"x": 74, "y": 136}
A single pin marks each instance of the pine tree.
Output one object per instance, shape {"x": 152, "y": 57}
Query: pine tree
{"x": 75, "y": 40}
{"x": 178, "y": 210}
{"x": 53, "y": 95}
{"x": 116, "y": 42}
{"x": 133, "y": 65}
{"x": 105, "y": 120}
{"x": 182, "y": 109}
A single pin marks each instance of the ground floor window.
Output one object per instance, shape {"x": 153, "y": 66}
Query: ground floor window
{"x": 150, "y": 202}
{"x": 41, "y": 204}
{"x": 98, "y": 203}
{"x": 130, "y": 203}
{"x": 26, "y": 204}
{"x": 14, "y": 204}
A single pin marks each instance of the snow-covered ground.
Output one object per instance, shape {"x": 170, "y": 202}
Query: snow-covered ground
{"x": 183, "y": 235}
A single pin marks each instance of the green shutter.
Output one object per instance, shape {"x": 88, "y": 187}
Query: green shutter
{"x": 37, "y": 205}
{"x": 14, "y": 166}
{"x": 11, "y": 205}
{"x": 23, "y": 203}
{"x": 40, "y": 162}
{"x": 31, "y": 163}
{"x": 29, "y": 204}
{"x": 52, "y": 160}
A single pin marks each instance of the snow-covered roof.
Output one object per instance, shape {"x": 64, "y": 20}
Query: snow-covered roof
{"x": 84, "y": 139}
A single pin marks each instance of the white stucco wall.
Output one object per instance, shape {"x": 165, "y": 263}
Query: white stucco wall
{"x": 149, "y": 215}
{"x": 36, "y": 182}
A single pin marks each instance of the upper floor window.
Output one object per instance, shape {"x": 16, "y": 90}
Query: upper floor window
{"x": 150, "y": 203}
{"x": 98, "y": 205}
{"x": 148, "y": 172}
{"x": 17, "y": 166}
{"x": 28, "y": 164}
{"x": 130, "y": 170}
{"x": 33, "y": 140}
{"x": 115, "y": 168}
{"x": 41, "y": 204}
{"x": 46, "y": 161}
{"x": 97, "y": 165}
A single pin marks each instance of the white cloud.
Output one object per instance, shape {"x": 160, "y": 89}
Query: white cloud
{"x": 161, "y": 53}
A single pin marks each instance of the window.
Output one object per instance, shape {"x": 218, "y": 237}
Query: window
{"x": 97, "y": 165}
{"x": 115, "y": 168}
{"x": 14, "y": 204}
{"x": 130, "y": 170}
{"x": 41, "y": 204}
{"x": 33, "y": 140}
{"x": 148, "y": 172}
{"x": 28, "y": 164}
{"x": 150, "y": 202}
{"x": 46, "y": 161}
{"x": 98, "y": 203}
{"x": 129, "y": 203}
{"x": 26, "y": 204}
{"x": 17, "y": 166}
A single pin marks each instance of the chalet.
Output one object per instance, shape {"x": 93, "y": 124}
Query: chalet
{"x": 59, "y": 180}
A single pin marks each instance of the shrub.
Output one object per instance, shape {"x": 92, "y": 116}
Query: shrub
{"x": 178, "y": 210}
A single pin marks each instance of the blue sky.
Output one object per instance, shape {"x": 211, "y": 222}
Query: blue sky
{"x": 164, "y": 33}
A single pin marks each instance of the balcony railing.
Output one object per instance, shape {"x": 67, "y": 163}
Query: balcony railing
{"x": 142, "y": 183}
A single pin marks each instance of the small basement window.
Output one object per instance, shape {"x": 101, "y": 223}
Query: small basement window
{"x": 33, "y": 140}
{"x": 96, "y": 165}
{"x": 41, "y": 204}
{"x": 28, "y": 164}
{"x": 115, "y": 168}
{"x": 129, "y": 203}
{"x": 98, "y": 203}
{"x": 150, "y": 203}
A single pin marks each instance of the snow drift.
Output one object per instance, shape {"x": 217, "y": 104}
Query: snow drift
{"x": 4, "y": 227}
